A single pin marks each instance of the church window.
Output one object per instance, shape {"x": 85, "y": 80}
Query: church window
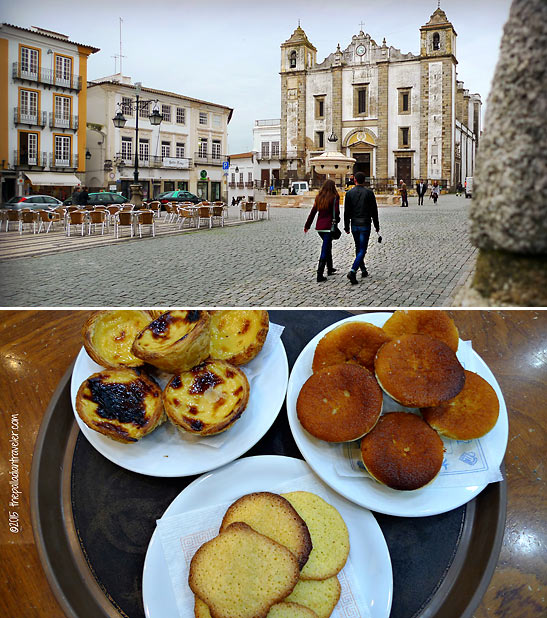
{"x": 320, "y": 139}
{"x": 292, "y": 60}
{"x": 404, "y": 137}
{"x": 360, "y": 100}
{"x": 320, "y": 107}
{"x": 404, "y": 101}
{"x": 436, "y": 41}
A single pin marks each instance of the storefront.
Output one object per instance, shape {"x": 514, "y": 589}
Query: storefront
{"x": 57, "y": 184}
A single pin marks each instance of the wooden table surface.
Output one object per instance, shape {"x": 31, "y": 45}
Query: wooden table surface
{"x": 36, "y": 348}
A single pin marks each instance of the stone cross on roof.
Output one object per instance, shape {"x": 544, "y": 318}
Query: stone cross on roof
{"x": 362, "y": 25}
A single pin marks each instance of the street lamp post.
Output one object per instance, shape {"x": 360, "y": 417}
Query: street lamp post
{"x": 119, "y": 121}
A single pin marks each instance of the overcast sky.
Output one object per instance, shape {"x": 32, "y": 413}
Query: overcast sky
{"x": 228, "y": 52}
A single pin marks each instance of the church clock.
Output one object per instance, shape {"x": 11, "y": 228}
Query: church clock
{"x": 360, "y": 51}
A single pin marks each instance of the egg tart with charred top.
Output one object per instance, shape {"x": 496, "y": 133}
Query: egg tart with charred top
{"x": 207, "y": 399}
{"x": 175, "y": 341}
{"x": 237, "y": 336}
{"x": 109, "y": 335}
{"x": 122, "y": 404}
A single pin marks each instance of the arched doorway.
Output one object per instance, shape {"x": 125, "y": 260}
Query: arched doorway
{"x": 362, "y": 143}
{"x": 362, "y": 164}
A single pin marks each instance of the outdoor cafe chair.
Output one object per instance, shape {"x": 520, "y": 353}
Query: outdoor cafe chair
{"x": 76, "y": 217}
{"x": 217, "y": 212}
{"x": 262, "y": 210}
{"x": 204, "y": 212}
{"x": 72, "y": 208}
{"x": 246, "y": 210}
{"x": 155, "y": 207}
{"x": 97, "y": 217}
{"x": 13, "y": 216}
{"x": 170, "y": 212}
{"x": 29, "y": 217}
{"x": 128, "y": 206}
{"x": 146, "y": 217}
{"x": 185, "y": 216}
{"x": 123, "y": 219}
{"x": 3, "y": 217}
{"x": 48, "y": 218}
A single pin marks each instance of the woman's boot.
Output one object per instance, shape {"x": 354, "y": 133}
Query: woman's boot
{"x": 330, "y": 268}
{"x": 321, "y": 270}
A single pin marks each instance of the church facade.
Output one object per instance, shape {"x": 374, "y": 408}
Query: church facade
{"x": 401, "y": 116}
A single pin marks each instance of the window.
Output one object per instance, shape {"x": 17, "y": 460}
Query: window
{"x": 62, "y": 150}
{"x": 181, "y": 115}
{"x": 63, "y": 70}
{"x": 28, "y": 148}
{"x": 404, "y": 137}
{"x": 404, "y": 101}
{"x": 275, "y": 149}
{"x": 179, "y": 150}
{"x": 360, "y": 97}
{"x": 62, "y": 111}
{"x": 215, "y": 149}
{"x": 28, "y": 108}
{"x": 143, "y": 110}
{"x": 29, "y": 62}
{"x": 319, "y": 107}
{"x": 127, "y": 148}
{"x": 240, "y": 178}
{"x": 217, "y": 121}
{"x": 320, "y": 139}
{"x": 250, "y": 177}
{"x": 202, "y": 149}
{"x": 292, "y": 60}
{"x": 127, "y": 107}
{"x": 165, "y": 149}
{"x": 233, "y": 178}
{"x": 265, "y": 147}
{"x": 203, "y": 118}
{"x": 144, "y": 150}
{"x": 436, "y": 41}
{"x": 166, "y": 113}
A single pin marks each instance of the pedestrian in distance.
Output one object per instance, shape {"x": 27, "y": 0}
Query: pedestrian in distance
{"x": 360, "y": 210}
{"x": 75, "y": 195}
{"x": 459, "y": 188}
{"x": 435, "y": 192}
{"x": 83, "y": 197}
{"x": 404, "y": 195}
{"x": 327, "y": 208}
{"x": 421, "y": 188}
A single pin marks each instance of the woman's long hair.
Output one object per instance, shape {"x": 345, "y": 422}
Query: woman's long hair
{"x": 326, "y": 195}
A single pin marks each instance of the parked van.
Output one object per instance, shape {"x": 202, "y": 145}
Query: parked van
{"x": 469, "y": 186}
{"x": 299, "y": 187}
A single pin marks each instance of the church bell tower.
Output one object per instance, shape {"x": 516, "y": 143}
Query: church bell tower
{"x": 298, "y": 55}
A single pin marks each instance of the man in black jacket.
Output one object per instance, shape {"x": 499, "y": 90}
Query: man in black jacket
{"x": 359, "y": 210}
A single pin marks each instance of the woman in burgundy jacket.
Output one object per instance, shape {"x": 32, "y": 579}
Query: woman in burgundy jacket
{"x": 327, "y": 207}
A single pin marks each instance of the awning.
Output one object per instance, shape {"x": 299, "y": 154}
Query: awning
{"x": 51, "y": 178}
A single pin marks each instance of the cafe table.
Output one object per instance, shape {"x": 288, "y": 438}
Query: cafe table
{"x": 37, "y": 348}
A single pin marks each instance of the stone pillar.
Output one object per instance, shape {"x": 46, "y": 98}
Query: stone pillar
{"x": 136, "y": 195}
{"x": 447, "y": 149}
{"x": 382, "y": 152}
{"x": 424, "y": 118}
{"x": 336, "y": 104}
{"x": 508, "y": 213}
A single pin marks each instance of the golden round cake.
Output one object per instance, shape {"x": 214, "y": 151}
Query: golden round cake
{"x": 175, "y": 341}
{"x": 471, "y": 414}
{"x": 418, "y": 371}
{"x": 237, "y": 335}
{"x": 339, "y": 403}
{"x": 207, "y": 399}
{"x": 432, "y": 322}
{"x": 109, "y": 335}
{"x": 122, "y": 404}
{"x": 402, "y": 451}
{"x": 353, "y": 342}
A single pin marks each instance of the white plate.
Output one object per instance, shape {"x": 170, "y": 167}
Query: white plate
{"x": 166, "y": 453}
{"x": 368, "y": 549}
{"x": 430, "y": 500}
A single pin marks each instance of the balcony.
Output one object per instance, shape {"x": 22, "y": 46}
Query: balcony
{"x": 181, "y": 163}
{"x": 31, "y": 119}
{"x": 268, "y": 123}
{"x": 24, "y": 160}
{"x": 249, "y": 185}
{"x": 204, "y": 159}
{"x": 71, "y": 161}
{"x": 265, "y": 156}
{"x": 46, "y": 77}
{"x": 63, "y": 122}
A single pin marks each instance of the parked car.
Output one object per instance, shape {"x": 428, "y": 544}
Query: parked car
{"x": 104, "y": 198}
{"x": 469, "y": 186}
{"x": 36, "y": 202}
{"x": 178, "y": 196}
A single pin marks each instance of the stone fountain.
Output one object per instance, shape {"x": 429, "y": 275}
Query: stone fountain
{"x": 332, "y": 162}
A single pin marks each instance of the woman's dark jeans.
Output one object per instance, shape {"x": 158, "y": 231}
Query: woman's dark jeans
{"x": 326, "y": 247}
{"x": 361, "y": 235}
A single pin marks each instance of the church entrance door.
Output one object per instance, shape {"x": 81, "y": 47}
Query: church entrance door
{"x": 403, "y": 170}
{"x": 362, "y": 164}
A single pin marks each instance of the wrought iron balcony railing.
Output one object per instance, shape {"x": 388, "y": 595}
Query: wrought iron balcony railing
{"x": 22, "y": 115}
{"x": 46, "y": 76}
{"x": 70, "y": 161}
{"x": 208, "y": 159}
{"x": 23, "y": 159}
{"x": 63, "y": 122}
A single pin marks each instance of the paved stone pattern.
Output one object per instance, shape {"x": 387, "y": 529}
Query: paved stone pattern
{"x": 423, "y": 260}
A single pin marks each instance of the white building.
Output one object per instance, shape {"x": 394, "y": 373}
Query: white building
{"x": 43, "y": 111}
{"x": 186, "y": 151}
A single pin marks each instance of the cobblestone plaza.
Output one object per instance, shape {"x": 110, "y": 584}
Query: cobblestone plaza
{"x": 423, "y": 260}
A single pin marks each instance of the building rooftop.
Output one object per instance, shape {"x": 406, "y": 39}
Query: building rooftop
{"x": 52, "y": 35}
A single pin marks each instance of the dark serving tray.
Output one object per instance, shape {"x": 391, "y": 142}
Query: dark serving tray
{"x": 93, "y": 520}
